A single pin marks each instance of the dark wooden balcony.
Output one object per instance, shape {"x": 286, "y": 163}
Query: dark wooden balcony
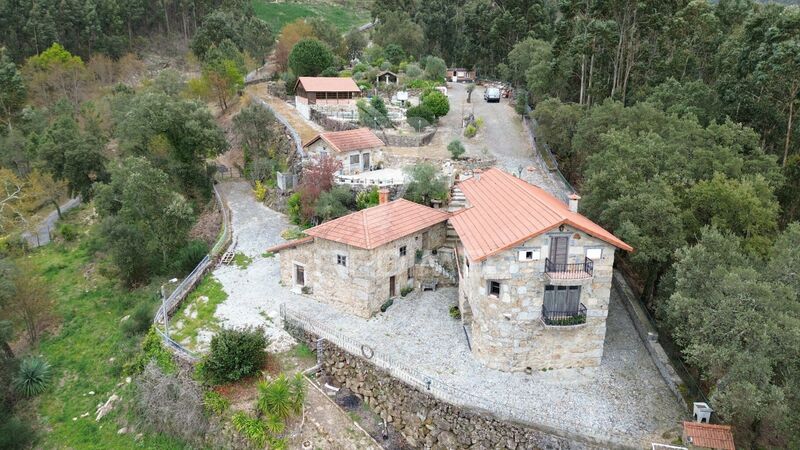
{"x": 564, "y": 318}
{"x": 569, "y": 271}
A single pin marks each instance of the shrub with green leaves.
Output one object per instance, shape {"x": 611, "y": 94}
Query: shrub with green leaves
{"x": 139, "y": 321}
{"x": 234, "y": 354}
{"x": 68, "y": 232}
{"x": 252, "y": 428}
{"x": 437, "y": 103}
{"x": 153, "y": 350}
{"x": 214, "y": 402}
{"x": 33, "y": 376}
{"x": 190, "y": 255}
{"x": 456, "y": 148}
{"x": 366, "y": 199}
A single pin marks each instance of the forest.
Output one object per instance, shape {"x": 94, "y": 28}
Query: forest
{"x": 675, "y": 121}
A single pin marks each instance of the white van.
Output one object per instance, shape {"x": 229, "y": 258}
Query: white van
{"x": 492, "y": 94}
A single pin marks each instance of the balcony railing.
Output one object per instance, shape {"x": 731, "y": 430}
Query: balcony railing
{"x": 569, "y": 270}
{"x": 564, "y": 318}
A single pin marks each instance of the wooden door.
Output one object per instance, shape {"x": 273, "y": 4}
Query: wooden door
{"x": 365, "y": 161}
{"x": 559, "y": 246}
{"x": 300, "y": 275}
{"x": 392, "y": 289}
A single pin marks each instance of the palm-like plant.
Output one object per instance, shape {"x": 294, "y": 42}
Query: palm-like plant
{"x": 33, "y": 377}
{"x": 275, "y": 398}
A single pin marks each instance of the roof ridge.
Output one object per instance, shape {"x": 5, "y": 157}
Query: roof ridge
{"x": 366, "y": 226}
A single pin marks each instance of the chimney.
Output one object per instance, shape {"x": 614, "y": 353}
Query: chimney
{"x": 477, "y": 174}
{"x": 573, "y": 202}
{"x": 383, "y": 196}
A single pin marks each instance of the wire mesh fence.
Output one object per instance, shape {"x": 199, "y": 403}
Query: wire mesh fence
{"x": 171, "y": 303}
{"x": 612, "y": 437}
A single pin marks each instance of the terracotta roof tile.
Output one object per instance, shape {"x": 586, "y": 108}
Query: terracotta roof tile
{"x": 290, "y": 244}
{"x": 709, "y": 436}
{"x": 373, "y": 227}
{"x": 328, "y": 84}
{"x": 350, "y": 140}
{"x": 505, "y": 211}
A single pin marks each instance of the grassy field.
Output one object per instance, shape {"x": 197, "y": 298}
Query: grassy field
{"x": 197, "y": 312}
{"x": 343, "y": 17}
{"x": 87, "y": 348}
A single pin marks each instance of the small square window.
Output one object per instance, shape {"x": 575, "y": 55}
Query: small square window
{"x": 529, "y": 254}
{"x": 494, "y": 288}
{"x": 355, "y": 159}
{"x": 403, "y": 251}
{"x": 594, "y": 253}
{"x": 341, "y": 260}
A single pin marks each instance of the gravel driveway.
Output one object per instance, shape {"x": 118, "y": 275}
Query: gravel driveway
{"x": 624, "y": 394}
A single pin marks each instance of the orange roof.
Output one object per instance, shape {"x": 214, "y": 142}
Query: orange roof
{"x": 350, "y": 140}
{"x": 506, "y": 211}
{"x": 709, "y": 436}
{"x": 290, "y": 244}
{"x": 327, "y": 84}
{"x": 373, "y": 227}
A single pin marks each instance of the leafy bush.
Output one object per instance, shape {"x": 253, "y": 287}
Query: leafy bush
{"x": 366, "y": 199}
{"x": 260, "y": 191}
{"x": 435, "y": 68}
{"x": 426, "y": 184}
{"x": 455, "y": 313}
{"x": 153, "y": 350}
{"x": 234, "y": 354}
{"x": 33, "y": 376}
{"x": 470, "y": 131}
{"x": 405, "y": 291}
{"x": 14, "y": 433}
{"x": 521, "y": 102}
{"x": 302, "y": 351}
{"x": 139, "y": 321}
{"x": 214, "y": 402}
{"x": 334, "y": 203}
{"x": 437, "y": 103}
{"x": 241, "y": 260}
{"x": 421, "y": 111}
{"x": 422, "y": 84}
{"x": 68, "y": 232}
{"x": 330, "y": 72}
{"x": 413, "y": 71}
{"x": 387, "y": 304}
{"x": 190, "y": 255}
{"x": 294, "y": 207}
{"x": 456, "y": 148}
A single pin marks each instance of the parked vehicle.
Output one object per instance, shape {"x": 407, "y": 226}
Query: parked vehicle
{"x": 492, "y": 95}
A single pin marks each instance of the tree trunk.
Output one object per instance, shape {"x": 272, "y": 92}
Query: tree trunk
{"x": 7, "y": 350}
{"x": 166, "y": 16}
{"x": 583, "y": 79}
{"x": 589, "y": 84}
{"x": 793, "y": 94}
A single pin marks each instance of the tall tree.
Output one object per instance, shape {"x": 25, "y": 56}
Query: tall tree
{"x": 12, "y": 89}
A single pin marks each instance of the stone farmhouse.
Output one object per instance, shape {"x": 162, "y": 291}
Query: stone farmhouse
{"x": 534, "y": 276}
{"x": 359, "y": 261}
{"x": 358, "y": 150}
{"x": 322, "y": 92}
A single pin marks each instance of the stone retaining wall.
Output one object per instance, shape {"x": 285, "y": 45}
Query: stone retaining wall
{"x": 429, "y": 423}
{"x": 330, "y": 124}
{"x": 408, "y": 140}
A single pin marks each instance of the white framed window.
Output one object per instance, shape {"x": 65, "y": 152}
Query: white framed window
{"x": 594, "y": 253}
{"x": 341, "y": 260}
{"x": 530, "y": 254}
{"x": 355, "y": 160}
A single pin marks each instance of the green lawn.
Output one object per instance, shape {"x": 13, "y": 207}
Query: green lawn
{"x": 197, "y": 312}
{"x": 343, "y": 17}
{"x": 86, "y": 334}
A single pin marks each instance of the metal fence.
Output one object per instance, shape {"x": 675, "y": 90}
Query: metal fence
{"x": 531, "y": 126}
{"x": 171, "y": 303}
{"x": 608, "y": 437}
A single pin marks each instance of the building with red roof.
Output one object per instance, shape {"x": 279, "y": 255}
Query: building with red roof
{"x": 359, "y": 261}
{"x": 534, "y": 276}
{"x": 358, "y": 150}
{"x": 704, "y": 435}
{"x": 324, "y": 91}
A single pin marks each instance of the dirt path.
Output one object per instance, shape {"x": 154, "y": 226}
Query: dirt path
{"x": 333, "y": 429}
{"x": 305, "y": 129}
{"x": 42, "y": 235}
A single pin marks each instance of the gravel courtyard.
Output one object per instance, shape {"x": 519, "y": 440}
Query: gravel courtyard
{"x": 624, "y": 394}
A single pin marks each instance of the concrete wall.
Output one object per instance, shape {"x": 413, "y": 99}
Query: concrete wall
{"x": 507, "y": 330}
{"x": 362, "y": 286}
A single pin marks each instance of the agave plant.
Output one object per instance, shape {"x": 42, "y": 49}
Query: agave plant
{"x": 33, "y": 377}
{"x": 282, "y": 397}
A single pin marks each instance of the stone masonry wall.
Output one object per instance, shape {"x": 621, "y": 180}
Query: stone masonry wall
{"x": 507, "y": 331}
{"x": 362, "y": 286}
{"x": 429, "y": 423}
